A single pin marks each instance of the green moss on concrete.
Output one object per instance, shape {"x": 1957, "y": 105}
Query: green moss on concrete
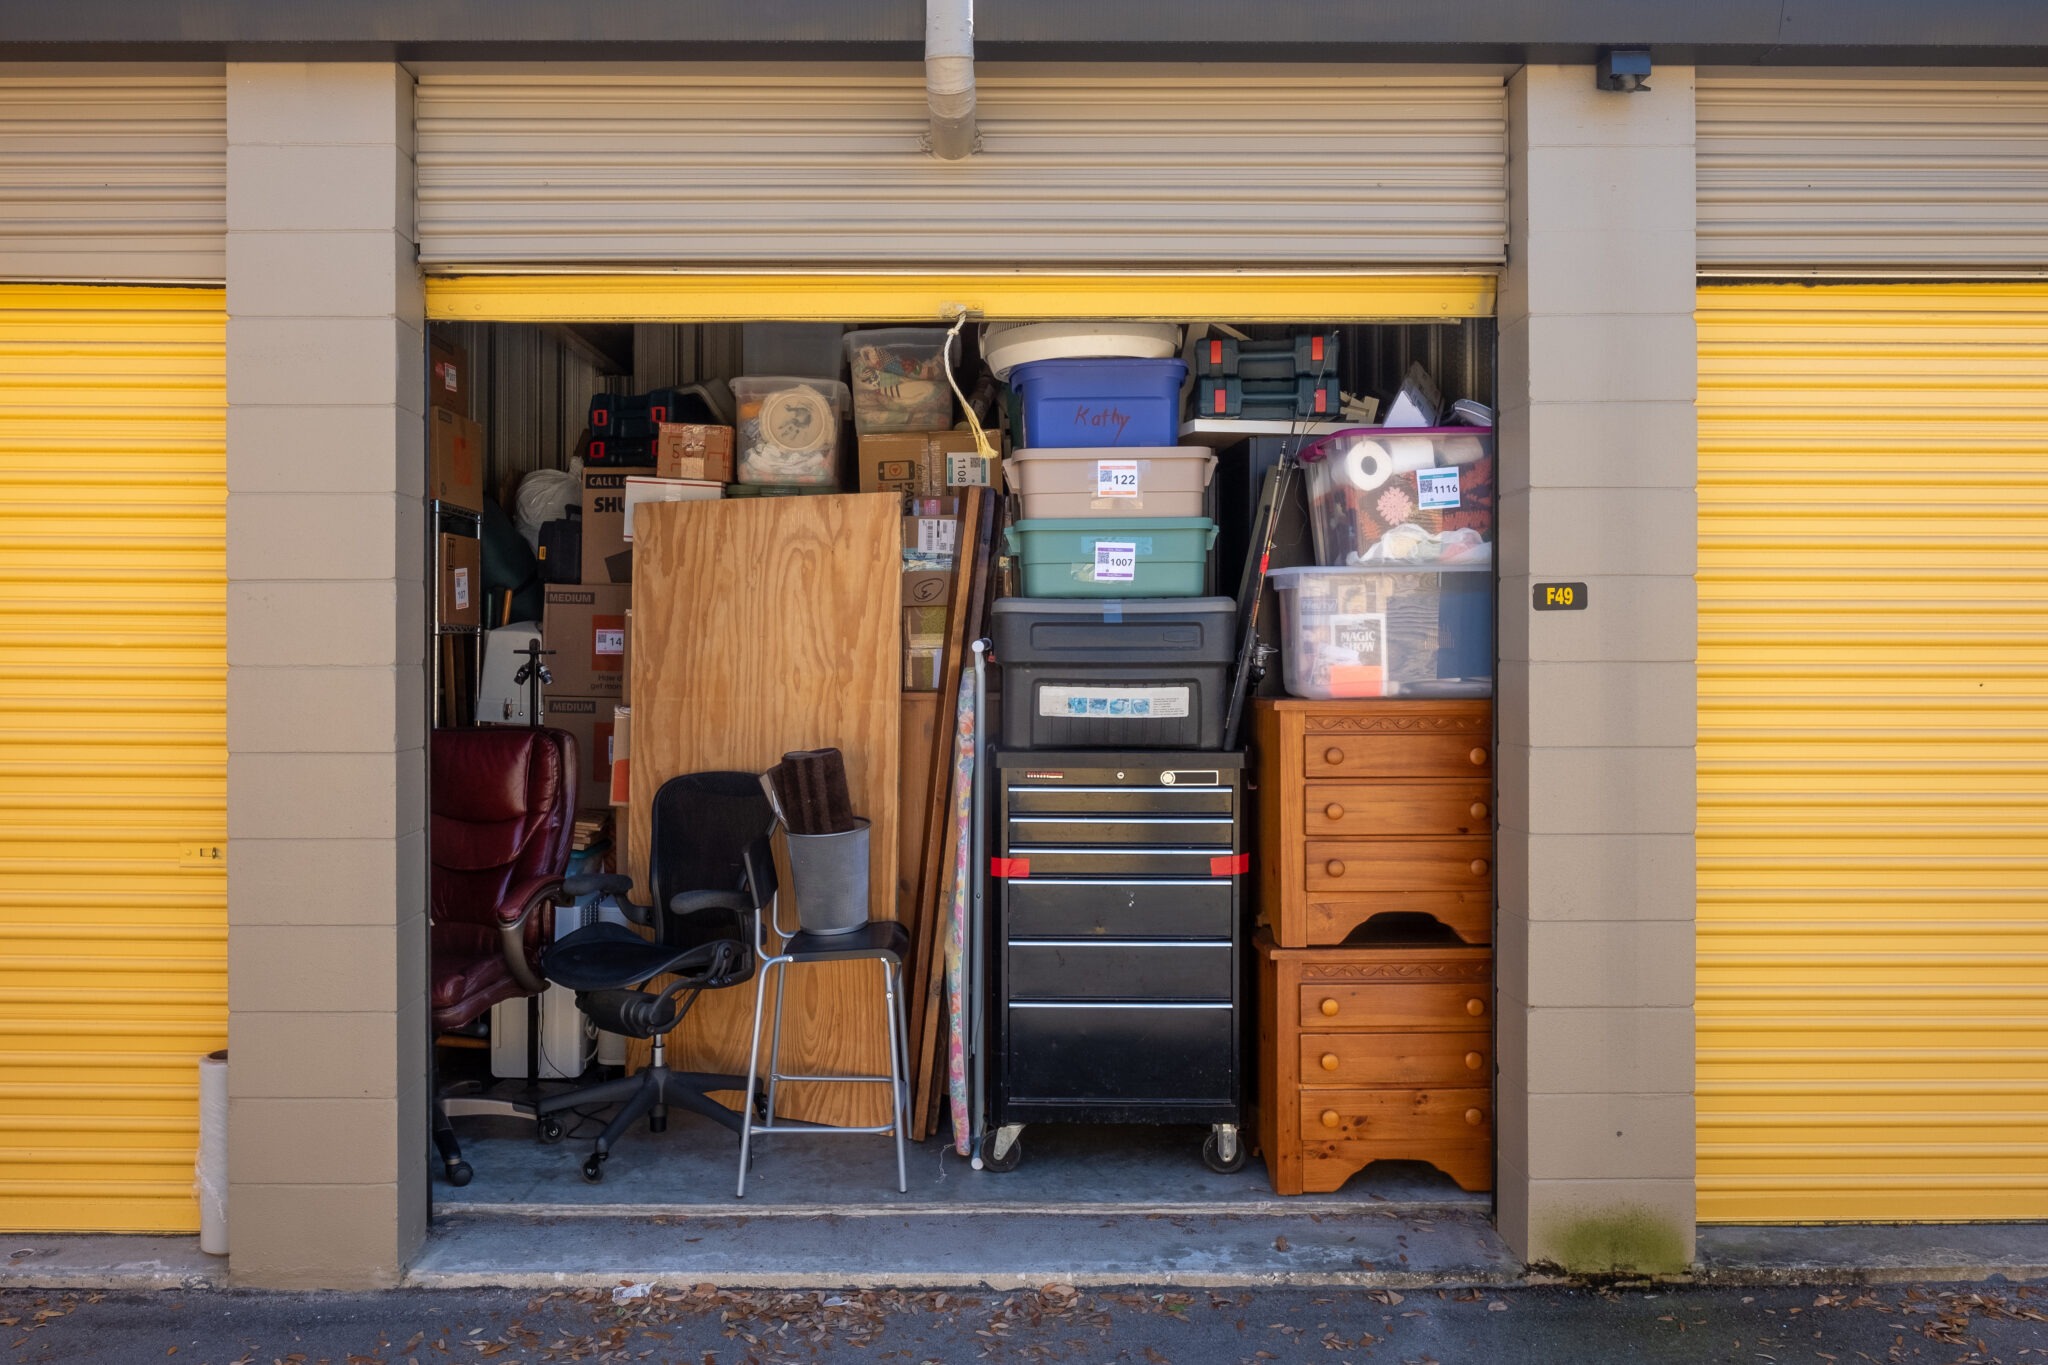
{"x": 1630, "y": 1239}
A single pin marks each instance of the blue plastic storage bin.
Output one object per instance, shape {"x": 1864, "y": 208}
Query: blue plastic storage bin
{"x": 1070, "y": 403}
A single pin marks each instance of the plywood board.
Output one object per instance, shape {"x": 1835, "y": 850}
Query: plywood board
{"x": 763, "y": 625}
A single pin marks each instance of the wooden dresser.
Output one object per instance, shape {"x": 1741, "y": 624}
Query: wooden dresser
{"x": 1375, "y": 985}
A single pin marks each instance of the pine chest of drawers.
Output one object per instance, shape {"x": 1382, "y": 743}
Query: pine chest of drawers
{"x": 1372, "y": 808}
{"x": 1371, "y": 1053}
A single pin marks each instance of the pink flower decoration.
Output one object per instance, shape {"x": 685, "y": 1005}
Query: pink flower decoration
{"x": 1394, "y": 506}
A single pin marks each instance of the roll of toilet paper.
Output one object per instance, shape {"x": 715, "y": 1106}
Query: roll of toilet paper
{"x": 1370, "y": 464}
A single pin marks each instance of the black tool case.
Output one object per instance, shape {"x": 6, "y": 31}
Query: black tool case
{"x": 1119, "y": 948}
{"x": 1110, "y": 673}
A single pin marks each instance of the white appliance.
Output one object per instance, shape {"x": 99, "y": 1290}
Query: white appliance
{"x": 567, "y": 1039}
{"x": 500, "y": 700}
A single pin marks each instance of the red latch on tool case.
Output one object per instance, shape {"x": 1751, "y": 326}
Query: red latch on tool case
{"x": 1236, "y": 865}
{"x": 1009, "y": 867}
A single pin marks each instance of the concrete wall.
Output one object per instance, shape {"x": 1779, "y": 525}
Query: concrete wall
{"x": 326, "y": 730}
{"x": 1598, "y": 366}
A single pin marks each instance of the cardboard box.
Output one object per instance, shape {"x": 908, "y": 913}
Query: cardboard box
{"x": 682, "y": 451}
{"x": 586, "y": 627}
{"x": 644, "y": 490}
{"x": 924, "y": 625}
{"x": 923, "y": 667}
{"x": 462, "y": 581}
{"x": 448, "y": 376}
{"x": 455, "y": 460}
{"x": 927, "y": 587}
{"x": 590, "y": 720}
{"x": 910, "y": 462}
{"x": 932, "y": 536}
{"x": 607, "y": 558}
{"x": 622, "y": 756}
{"x": 626, "y": 663}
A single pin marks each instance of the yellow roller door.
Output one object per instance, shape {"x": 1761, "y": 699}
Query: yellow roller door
{"x": 1873, "y": 752}
{"x": 113, "y": 749}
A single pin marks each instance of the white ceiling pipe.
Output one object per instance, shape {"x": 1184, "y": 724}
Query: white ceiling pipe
{"x": 949, "y": 78}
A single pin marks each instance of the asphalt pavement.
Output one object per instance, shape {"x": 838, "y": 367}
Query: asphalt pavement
{"x": 704, "y": 1325}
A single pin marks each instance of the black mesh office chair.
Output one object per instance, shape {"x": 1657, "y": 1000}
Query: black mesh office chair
{"x": 702, "y": 915}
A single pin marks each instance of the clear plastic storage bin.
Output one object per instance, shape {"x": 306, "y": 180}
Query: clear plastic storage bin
{"x": 899, "y": 382}
{"x": 1378, "y": 495}
{"x": 1387, "y": 631}
{"x": 789, "y": 429}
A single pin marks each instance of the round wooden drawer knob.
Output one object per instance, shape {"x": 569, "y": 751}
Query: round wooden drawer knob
{"x": 1475, "y": 1008}
{"x": 1330, "y": 1009}
{"x": 1479, "y": 867}
{"x": 1478, "y": 757}
{"x": 1478, "y": 810}
{"x": 1329, "y": 1061}
{"x": 1474, "y": 1117}
{"x": 1335, "y": 867}
{"x": 1474, "y": 1060}
{"x": 1330, "y": 1118}
{"x": 1334, "y": 811}
{"x": 1333, "y": 755}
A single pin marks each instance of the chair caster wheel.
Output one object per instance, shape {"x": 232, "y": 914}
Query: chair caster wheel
{"x": 1009, "y": 1161}
{"x": 593, "y": 1169}
{"x": 657, "y": 1123}
{"x": 1212, "y": 1155}
{"x": 551, "y": 1132}
{"x": 460, "y": 1173}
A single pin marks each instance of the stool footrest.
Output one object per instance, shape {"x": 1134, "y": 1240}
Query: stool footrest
{"x": 800, "y": 1126}
{"x": 863, "y": 1080}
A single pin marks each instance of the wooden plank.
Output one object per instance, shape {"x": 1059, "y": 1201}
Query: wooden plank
{"x": 919, "y": 729}
{"x": 763, "y": 625}
{"x": 926, "y": 969}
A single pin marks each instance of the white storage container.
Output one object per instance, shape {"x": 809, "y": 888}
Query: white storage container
{"x": 1112, "y": 481}
{"x": 1387, "y": 631}
{"x": 1006, "y": 345}
{"x": 789, "y": 429}
{"x": 899, "y": 382}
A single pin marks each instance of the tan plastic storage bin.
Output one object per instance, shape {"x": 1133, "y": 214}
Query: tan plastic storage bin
{"x": 1111, "y": 481}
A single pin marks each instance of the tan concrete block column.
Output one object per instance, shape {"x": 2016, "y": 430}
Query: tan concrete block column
{"x": 326, "y": 734}
{"x": 1598, "y": 373}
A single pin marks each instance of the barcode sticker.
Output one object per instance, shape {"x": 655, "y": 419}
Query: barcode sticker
{"x": 461, "y": 577}
{"x": 937, "y": 535}
{"x": 1436, "y": 489}
{"x": 966, "y": 470}
{"x": 1116, "y": 561}
{"x": 1116, "y": 478}
{"x": 609, "y": 640}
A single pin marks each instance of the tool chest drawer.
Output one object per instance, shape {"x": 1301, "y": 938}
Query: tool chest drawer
{"x": 1124, "y": 908}
{"x": 1111, "y": 969}
{"x": 1118, "y": 957}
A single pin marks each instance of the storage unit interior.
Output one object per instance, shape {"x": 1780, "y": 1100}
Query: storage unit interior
{"x": 528, "y": 388}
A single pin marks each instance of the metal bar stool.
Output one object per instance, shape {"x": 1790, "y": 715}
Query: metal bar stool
{"x": 883, "y": 941}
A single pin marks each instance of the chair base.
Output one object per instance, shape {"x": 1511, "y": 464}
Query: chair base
{"x": 647, "y": 1094}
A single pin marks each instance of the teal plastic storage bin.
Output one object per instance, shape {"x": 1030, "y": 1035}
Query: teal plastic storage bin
{"x": 1094, "y": 557}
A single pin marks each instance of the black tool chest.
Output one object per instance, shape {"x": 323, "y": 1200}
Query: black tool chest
{"x": 1119, "y": 952}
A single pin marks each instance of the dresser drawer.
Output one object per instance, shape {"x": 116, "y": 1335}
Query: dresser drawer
{"x": 1398, "y": 864}
{"x": 1411, "y": 1059}
{"x": 1397, "y": 1116}
{"x": 1437, "y": 1007}
{"x": 1396, "y": 755}
{"x": 1381, "y": 810}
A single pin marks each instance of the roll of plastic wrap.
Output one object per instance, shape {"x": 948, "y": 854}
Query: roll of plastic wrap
{"x": 210, "y": 1171}
{"x": 1369, "y": 464}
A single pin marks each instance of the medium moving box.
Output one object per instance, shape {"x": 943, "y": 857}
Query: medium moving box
{"x": 640, "y": 491}
{"x": 622, "y": 756}
{"x": 585, "y": 626}
{"x": 607, "y": 558}
{"x": 590, "y": 720}
{"x": 448, "y": 376}
{"x": 462, "y": 581}
{"x": 685, "y": 451}
{"x": 455, "y": 460}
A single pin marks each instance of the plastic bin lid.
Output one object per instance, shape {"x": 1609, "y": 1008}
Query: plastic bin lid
{"x": 1112, "y": 453}
{"x": 1103, "y": 606}
{"x": 1285, "y": 578}
{"x": 1106, "y": 527}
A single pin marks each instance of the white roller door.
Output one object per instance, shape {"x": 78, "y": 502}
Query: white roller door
{"x": 1810, "y": 170}
{"x": 113, "y": 175}
{"x": 821, "y": 166}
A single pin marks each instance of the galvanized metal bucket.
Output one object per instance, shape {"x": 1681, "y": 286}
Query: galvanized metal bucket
{"x": 829, "y": 873}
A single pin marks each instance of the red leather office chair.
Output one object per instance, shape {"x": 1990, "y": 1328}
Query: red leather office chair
{"x": 504, "y": 814}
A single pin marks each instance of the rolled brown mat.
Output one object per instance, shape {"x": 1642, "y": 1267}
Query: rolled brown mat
{"x": 811, "y": 784}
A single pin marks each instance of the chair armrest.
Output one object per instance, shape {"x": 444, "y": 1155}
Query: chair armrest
{"x": 515, "y": 912}
{"x": 690, "y": 902}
